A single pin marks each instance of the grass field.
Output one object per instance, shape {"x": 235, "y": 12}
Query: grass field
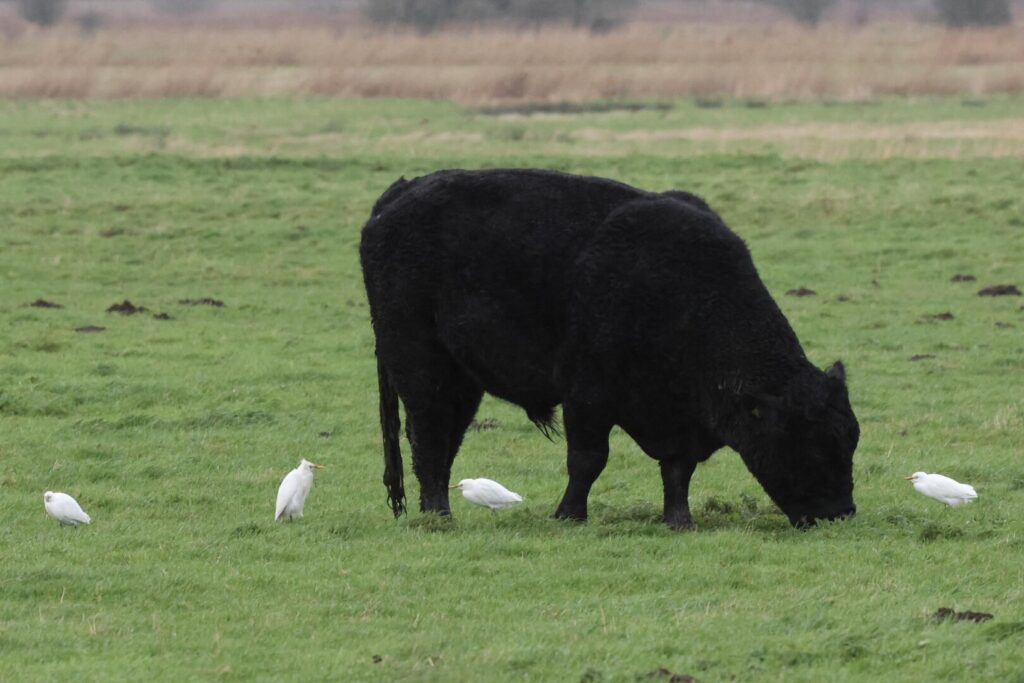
{"x": 173, "y": 434}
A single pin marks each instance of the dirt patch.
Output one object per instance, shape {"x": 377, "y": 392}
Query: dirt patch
{"x": 484, "y": 425}
{"x": 377, "y": 659}
{"x": 1000, "y": 290}
{"x": 801, "y": 291}
{"x": 162, "y": 316}
{"x": 921, "y": 356}
{"x": 205, "y": 301}
{"x": 963, "y": 277}
{"x": 43, "y": 303}
{"x": 667, "y": 676}
{"x": 111, "y": 232}
{"x": 948, "y": 614}
{"x": 573, "y": 108}
{"x": 1003, "y": 326}
{"x": 940, "y": 316}
{"x": 90, "y": 328}
{"x": 126, "y": 308}
{"x": 842, "y": 298}
{"x": 325, "y": 435}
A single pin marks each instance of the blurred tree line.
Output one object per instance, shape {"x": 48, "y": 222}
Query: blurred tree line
{"x": 42, "y": 12}
{"x": 958, "y": 13}
{"x": 427, "y": 15}
{"x": 595, "y": 15}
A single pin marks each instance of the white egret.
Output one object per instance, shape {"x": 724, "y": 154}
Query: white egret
{"x": 291, "y": 496}
{"x": 65, "y": 509}
{"x": 490, "y": 494}
{"x": 942, "y": 489}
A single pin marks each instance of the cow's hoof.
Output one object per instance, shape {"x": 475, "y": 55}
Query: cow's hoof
{"x": 432, "y": 522}
{"x": 679, "y": 521}
{"x": 570, "y": 515}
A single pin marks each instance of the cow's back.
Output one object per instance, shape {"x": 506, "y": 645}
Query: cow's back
{"x": 480, "y": 261}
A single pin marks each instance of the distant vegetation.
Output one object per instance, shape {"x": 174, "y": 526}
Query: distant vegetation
{"x": 957, "y": 13}
{"x": 807, "y": 12}
{"x": 41, "y": 12}
{"x": 427, "y": 15}
{"x": 182, "y": 7}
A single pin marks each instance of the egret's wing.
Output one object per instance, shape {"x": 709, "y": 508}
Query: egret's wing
{"x": 948, "y": 488}
{"x": 83, "y": 516}
{"x": 494, "y": 494}
{"x": 490, "y": 491}
{"x": 286, "y": 492}
{"x": 67, "y": 508}
{"x": 965, "y": 494}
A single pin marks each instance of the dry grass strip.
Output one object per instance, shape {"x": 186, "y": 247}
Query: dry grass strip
{"x": 773, "y": 60}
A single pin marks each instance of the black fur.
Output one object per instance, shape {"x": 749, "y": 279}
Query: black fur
{"x": 394, "y": 476}
{"x": 627, "y": 307}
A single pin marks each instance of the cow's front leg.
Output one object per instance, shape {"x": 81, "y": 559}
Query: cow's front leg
{"x": 587, "y": 439}
{"x": 675, "y": 478}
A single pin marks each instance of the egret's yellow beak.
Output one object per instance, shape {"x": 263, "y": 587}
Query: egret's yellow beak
{"x": 318, "y": 467}
{"x": 908, "y": 478}
{"x": 454, "y": 486}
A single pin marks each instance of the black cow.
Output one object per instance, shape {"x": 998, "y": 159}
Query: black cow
{"x": 627, "y": 307}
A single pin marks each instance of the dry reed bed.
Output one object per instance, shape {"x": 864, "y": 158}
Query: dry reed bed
{"x": 766, "y": 60}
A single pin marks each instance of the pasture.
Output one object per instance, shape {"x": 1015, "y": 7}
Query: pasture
{"x": 174, "y": 433}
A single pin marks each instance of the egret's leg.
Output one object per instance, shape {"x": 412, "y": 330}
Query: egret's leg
{"x": 586, "y": 434}
{"x": 675, "y": 478}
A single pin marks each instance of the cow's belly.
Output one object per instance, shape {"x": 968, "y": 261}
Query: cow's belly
{"x": 511, "y": 355}
{"x": 665, "y": 426}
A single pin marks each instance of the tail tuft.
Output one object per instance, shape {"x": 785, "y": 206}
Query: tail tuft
{"x": 394, "y": 473}
{"x": 545, "y": 421}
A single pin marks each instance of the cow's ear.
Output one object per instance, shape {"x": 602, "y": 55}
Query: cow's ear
{"x": 837, "y": 371}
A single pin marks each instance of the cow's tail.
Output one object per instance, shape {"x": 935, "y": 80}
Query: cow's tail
{"x": 389, "y": 426}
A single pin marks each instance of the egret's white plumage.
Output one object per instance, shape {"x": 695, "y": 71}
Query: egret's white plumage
{"x": 942, "y": 489}
{"x": 65, "y": 509}
{"x": 487, "y": 493}
{"x": 291, "y": 496}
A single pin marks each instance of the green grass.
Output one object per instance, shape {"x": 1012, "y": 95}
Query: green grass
{"x": 174, "y": 434}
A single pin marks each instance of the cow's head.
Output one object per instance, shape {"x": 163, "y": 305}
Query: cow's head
{"x": 803, "y": 454}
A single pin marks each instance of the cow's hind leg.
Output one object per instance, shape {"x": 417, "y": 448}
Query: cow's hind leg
{"x": 439, "y": 405}
{"x": 464, "y": 400}
{"x": 675, "y": 478}
{"x": 586, "y": 434}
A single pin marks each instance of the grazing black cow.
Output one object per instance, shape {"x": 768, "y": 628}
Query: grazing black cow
{"x": 627, "y": 307}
